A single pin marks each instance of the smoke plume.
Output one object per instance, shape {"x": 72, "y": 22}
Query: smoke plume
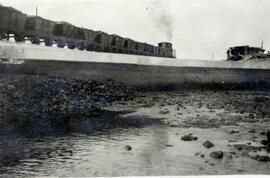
{"x": 163, "y": 19}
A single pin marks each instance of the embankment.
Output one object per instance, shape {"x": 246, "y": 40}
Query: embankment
{"x": 140, "y": 71}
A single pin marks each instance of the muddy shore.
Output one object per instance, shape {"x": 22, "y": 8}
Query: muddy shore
{"x": 38, "y": 106}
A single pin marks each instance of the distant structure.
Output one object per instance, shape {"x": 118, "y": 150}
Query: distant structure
{"x": 246, "y": 52}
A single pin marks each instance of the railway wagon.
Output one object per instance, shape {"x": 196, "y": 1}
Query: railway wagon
{"x": 11, "y": 22}
{"x": 37, "y": 28}
{"x": 139, "y": 48}
{"x": 116, "y": 43}
{"x": 90, "y": 36}
{"x": 129, "y": 46}
{"x": 156, "y": 50}
{"x": 66, "y": 34}
{"x": 148, "y": 50}
{"x": 102, "y": 42}
{"x": 77, "y": 39}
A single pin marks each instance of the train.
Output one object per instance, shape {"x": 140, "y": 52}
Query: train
{"x": 14, "y": 23}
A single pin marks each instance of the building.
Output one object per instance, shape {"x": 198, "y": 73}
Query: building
{"x": 243, "y": 52}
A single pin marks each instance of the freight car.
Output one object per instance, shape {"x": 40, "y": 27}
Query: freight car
{"x": 11, "y": 22}
{"x": 65, "y": 34}
{"x": 37, "y": 29}
{"x": 116, "y": 43}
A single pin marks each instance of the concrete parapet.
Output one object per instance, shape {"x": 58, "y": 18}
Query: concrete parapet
{"x": 129, "y": 69}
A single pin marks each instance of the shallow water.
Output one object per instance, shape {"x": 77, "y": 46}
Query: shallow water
{"x": 156, "y": 150}
{"x": 153, "y": 129}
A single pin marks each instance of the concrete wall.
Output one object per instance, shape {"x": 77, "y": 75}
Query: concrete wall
{"x": 129, "y": 69}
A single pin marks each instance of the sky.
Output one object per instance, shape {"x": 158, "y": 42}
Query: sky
{"x": 198, "y": 29}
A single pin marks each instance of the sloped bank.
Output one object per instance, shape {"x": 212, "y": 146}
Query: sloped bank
{"x": 39, "y": 105}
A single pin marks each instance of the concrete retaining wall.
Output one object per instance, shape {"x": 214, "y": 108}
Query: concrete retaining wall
{"x": 129, "y": 69}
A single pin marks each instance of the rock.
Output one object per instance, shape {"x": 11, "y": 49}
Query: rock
{"x": 128, "y": 147}
{"x": 173, "y": 126}
{"x": 252, "y": 131}
{"x": 208, "y": 144}
{"x": 189, "y": 137}
{"x": 216, "y": 154}
{"x": 252, "y": 116}
{"x": 263, "y": 133}
{"x": 267, "y": 141}
{"x": 262, "y": 158}
{"x": 11, "y": 87}
{"x": 165, "y": 111}
{"x": 234, "y": 131}
{"x": 168, "y": 145}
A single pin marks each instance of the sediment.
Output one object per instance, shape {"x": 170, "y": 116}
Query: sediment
{"x": 39, "y": 105}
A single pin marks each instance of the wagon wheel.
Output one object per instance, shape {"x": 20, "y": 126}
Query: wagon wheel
{"x": 71, "y": 46}
{"x": 2, "y": 35}
{"x": 99, "y": 49}
{"x": 35, "y": 40}
{"x": 60, "y": 45}
{"x": 48, "y": 42}
{"x": 81, "y": 46}
{"x": 19, "y": 38}
{"x": 90, "y": 47}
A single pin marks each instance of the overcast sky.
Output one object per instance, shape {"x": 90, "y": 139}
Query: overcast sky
{"x": 197, "y": 28}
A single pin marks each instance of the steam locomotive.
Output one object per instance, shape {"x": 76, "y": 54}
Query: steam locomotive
{"x": 37, "y": 30}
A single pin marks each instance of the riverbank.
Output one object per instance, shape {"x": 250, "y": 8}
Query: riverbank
{"x": 184, "y": 132}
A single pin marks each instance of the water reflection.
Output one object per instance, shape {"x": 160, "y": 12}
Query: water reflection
{"x": 58, "y": 155}
{"x": 104, "y": 154}
{"x": 78, "y": 154}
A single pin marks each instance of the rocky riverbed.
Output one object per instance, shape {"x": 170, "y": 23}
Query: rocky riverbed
{"x": 154, "y": 133}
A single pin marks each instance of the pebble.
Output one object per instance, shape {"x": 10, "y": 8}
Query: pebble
{"x": 208, "y": 144}
{"x": 217, "y": 154}
{"x": 166, "y": 111}
{"x": 189, "y": 137}
{"x": 128, "y": 147}
{"x": 252, "y": 131}
{"x": 11, "y": 87}
{"x": 234, "y": 131}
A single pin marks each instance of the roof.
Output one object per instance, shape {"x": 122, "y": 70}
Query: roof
{"x": 247, "y": 46}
